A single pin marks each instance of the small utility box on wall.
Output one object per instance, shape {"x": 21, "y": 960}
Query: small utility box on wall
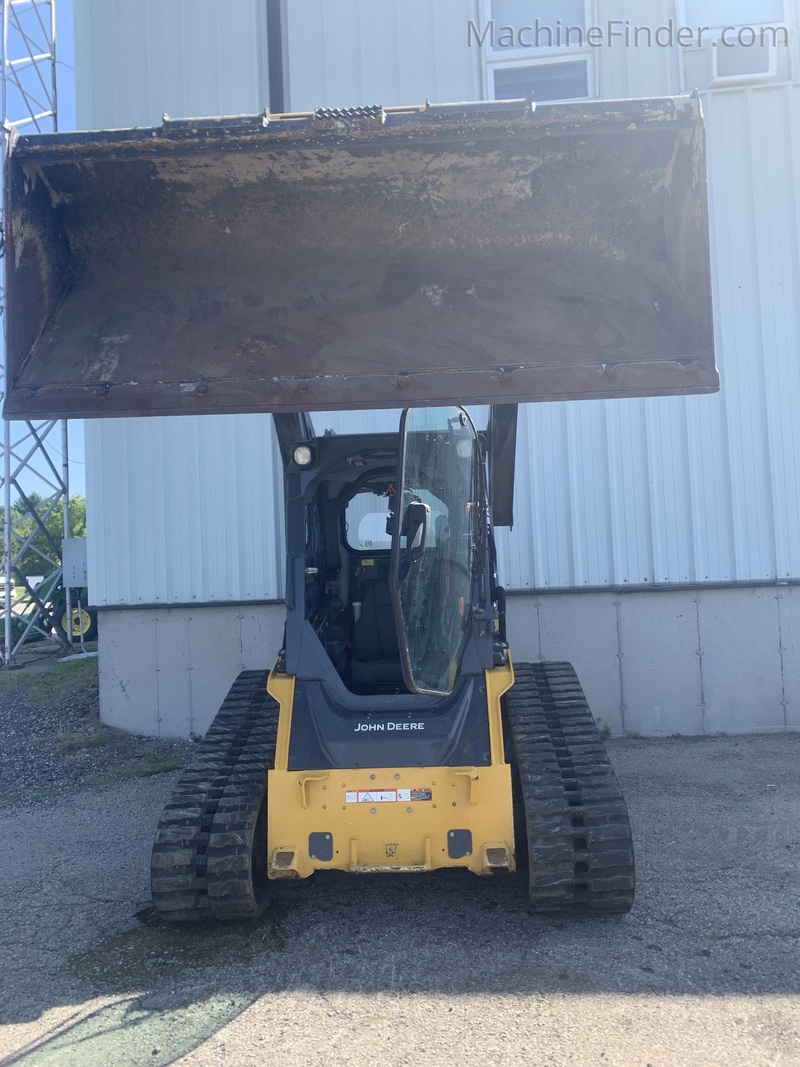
{"x": 73, "y": 557}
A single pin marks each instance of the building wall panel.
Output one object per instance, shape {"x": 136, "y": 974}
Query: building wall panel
{"x": 739, "y": 336}
{"x": 712, "y": 527}
{"x": 740, "y": 689}
{"x": 135, "y": 61}
{"x": 628, "y": 480}
{"x": 662, "y": 689}
{"x": 173, "y": 669}
{"x": 789, "y": 621}
{"x": 684, "y": 490}
{"x": 625, "y": 70}
{"x": 777, "y": 200}
{"x": 185, "y": 510}
{"x": 357, "y": 52}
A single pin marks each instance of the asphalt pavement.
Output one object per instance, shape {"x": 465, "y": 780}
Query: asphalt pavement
{"x": 439, "y": 969}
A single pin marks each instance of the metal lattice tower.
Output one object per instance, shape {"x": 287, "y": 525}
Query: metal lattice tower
{"x": 34, "y": 467}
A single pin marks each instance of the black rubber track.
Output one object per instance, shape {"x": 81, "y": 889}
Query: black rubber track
{"x": 209, "y": 852}
{"x": 580, "y": 850}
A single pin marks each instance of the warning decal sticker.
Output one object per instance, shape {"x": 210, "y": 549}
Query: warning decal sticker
{"x": 386, "y": 796}
{"x": 372, "y": 796}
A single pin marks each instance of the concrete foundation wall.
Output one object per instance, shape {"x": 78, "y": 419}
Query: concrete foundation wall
{"x": 704, "y": 661}
{"x": 652, "y": 663}
{"x": 165, "y": 671}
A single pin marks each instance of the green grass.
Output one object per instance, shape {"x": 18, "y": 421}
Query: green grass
{"x": 49, "y": 686}
{"x": 75, "y": 742}
{"x": 159, "y": 949}
{"x": 144, "y": 766}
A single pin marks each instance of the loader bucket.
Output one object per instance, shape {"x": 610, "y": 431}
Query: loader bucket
{"x": 491, "y": 253}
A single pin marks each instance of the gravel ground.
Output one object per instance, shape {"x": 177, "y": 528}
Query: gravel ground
{"x": 435, "y": 970}
{"x": 53, "y": 742}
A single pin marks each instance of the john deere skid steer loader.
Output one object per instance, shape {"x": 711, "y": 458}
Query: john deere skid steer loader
{"x": 412, "y": 258}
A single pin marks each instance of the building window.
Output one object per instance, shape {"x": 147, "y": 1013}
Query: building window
{"x": 549, "y": 81}
{"x": 538, "y": 46}
{"x": 542, "y": 25}
{"x": 716, "y": 14}
{"x": 743, "y": 40}
{"x": 744, "y": 62}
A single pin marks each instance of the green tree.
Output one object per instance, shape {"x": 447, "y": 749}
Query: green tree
{"x": 44, "y": 549}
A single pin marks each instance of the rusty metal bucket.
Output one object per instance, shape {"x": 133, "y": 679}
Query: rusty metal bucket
{"x": 373, "y": 258}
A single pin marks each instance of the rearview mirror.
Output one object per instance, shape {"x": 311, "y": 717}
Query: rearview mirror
{"x": 417, "y": 525}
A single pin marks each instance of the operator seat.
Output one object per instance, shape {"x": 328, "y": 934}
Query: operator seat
{"x": 375, "y": 663}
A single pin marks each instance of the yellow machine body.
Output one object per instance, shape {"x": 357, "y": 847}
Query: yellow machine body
{"x": 390, "y": 819}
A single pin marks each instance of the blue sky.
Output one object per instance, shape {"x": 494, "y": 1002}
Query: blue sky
{"x": 65, "y": 59}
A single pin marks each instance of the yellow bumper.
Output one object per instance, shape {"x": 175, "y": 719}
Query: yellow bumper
{"x": 390, "y": 819}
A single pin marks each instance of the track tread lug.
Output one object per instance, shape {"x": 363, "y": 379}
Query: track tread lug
{"x": 216, "y": 803}
{"x": 579, "y": 841}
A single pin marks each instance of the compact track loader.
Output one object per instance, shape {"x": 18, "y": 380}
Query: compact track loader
{"x": 394, "y": 733}
{"x": 409, "y": 258}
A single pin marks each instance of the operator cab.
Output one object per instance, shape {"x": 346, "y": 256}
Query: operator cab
{"x": 396, "y": 580}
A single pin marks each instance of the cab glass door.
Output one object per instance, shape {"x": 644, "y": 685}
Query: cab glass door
{"x": 436, "y": 544}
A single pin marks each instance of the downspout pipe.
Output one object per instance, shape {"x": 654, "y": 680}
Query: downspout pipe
{"x": 277, "y": 96}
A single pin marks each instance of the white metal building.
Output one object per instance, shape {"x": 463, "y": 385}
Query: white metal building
{"x": 657, "y": 543}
